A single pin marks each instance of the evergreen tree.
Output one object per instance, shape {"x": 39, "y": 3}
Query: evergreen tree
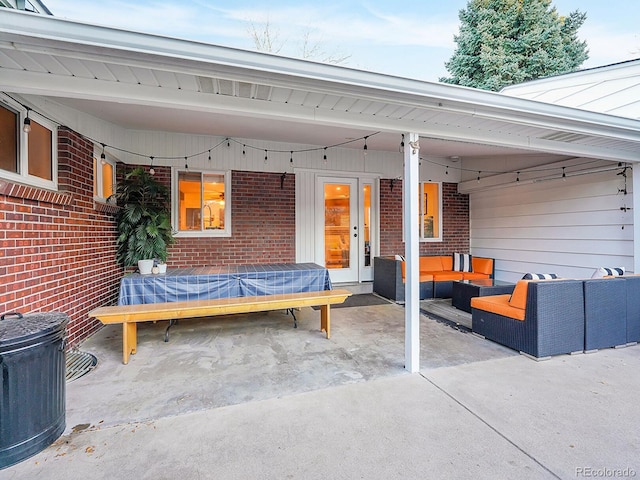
{"x": 503, "y": 42}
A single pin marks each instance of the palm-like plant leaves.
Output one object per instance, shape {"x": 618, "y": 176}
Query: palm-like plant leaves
{"x": 144, "y": 222}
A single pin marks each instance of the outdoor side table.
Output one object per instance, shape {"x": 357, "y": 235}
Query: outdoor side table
{"x": 464, "y": 290}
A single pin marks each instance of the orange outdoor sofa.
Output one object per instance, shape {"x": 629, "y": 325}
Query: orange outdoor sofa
{"x": 437, "y": 275}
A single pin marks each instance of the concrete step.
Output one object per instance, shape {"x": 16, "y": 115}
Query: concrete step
{"x": 356, "y": 288}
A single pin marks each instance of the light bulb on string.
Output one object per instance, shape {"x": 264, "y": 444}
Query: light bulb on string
{"x": 446, "y": 172}
{"x": 209, "y": 154}
{"x": 26, "y": 128}
{"x": 402, "y": 144}
{"x": 365, "y": 148}
{"x": 265, "y": 157}
{"x": 564, "y": 175}
{"x": 324, "y": 158}
{"x": 244, "y": 150}
{"x": 228, "y": 143}
{"x": 152, "y": 170}
{"x": 103, "y": 157}
{"x": 478, "y": 176}
{"x": 518, "y": 177}
{"x": 186, "y": 163}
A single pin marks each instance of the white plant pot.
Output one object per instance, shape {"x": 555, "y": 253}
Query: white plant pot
{"x": 162, "y": 268}
{"x": 145, "y": 266}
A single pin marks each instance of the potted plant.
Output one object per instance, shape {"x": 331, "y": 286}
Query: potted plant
{"x": 144, "y": 220}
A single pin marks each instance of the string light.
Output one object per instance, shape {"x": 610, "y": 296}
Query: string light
{"x": 26, "y": 128}
{"x": 265, "y": 156}
{"x": 103, "y": 157}
{"x": 402, "y": 144}
{"x": 414, "y": 145}
{"x": 446, "y": 171}
{"x": 186, "y": 163}
{"x": 478, "y": 176}
{"x": 291, "y": 159}
{"x": 152, "y": 170}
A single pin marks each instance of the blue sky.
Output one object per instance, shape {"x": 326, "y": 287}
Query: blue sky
{"x": 411, "y": 39}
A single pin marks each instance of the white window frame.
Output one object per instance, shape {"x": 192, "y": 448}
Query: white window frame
{"x": 438, "y": 237}
{"x": 97, "y": 174}
{"x": 23, "y": 149}
{"x": 175, "y": 204}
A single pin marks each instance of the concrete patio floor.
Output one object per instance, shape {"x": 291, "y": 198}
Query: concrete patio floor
{"x": 249, "y": 397}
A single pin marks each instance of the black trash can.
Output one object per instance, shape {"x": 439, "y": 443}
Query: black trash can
{"x": 32, "y": 377}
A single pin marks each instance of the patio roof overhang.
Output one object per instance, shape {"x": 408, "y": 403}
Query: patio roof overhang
{"x": 149, "y": 82}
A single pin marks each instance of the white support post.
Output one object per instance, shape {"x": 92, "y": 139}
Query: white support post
{"x": 635, "y": 175}
{"x": 412, "y": 253}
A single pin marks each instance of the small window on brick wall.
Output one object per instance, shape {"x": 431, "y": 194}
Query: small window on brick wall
{"x": 201, "y": 203}
{"x": 27, "y": 157}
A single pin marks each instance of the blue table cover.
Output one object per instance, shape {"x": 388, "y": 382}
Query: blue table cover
{"x": 205, "y": 283}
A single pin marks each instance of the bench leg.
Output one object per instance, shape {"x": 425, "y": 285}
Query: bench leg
{"x": 325, "y": 319}
{"x": 129, "y": 340}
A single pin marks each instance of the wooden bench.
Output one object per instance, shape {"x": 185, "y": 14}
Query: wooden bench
{"x": 130, "y": 315}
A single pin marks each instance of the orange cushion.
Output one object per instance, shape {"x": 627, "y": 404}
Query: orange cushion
{"x": 474, "y": 275}
{"x": 498, "y": 304}
{"x": 430, "y": 264}
{"x": 482, "y": 265}
{"x": 519, "y": 296}
{"x": 424, "y": 277}
{"x": 447, "y": 262}
{"x": 445, "y": 276}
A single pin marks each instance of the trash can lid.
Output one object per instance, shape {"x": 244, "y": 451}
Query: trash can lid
{"x": 18, "y": 328}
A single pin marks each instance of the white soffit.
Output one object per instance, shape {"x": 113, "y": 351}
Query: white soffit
{"x": 128, "y": 75}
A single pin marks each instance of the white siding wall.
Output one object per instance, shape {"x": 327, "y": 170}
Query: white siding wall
{"x": 566, "y": 227}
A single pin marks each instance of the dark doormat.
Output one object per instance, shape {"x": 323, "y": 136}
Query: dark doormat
{"x": 361, "y": 300}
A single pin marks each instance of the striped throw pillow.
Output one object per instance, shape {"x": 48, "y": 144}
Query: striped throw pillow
{"x": 462, "y": 262}
{"x": 608, "y": 272}
{"x": 539, "y": 276}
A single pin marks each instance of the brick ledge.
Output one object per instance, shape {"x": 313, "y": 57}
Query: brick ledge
{"x": 18, "y": 190}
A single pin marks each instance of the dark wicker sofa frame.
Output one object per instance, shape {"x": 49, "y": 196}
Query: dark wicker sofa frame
{"x": 387, "y": 280}
{"x": 553, "y": 324}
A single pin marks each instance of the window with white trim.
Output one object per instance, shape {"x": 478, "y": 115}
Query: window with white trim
{"x": 29, "y": 156}
{"x": 104, "y": 174}
{"x": 201, "y": 203}
{"x": 430, "y": 212}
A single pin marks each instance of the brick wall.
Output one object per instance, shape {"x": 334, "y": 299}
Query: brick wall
{"x": 57, "y": 248}
{"x": 455, "y": 227}
{"x": 263, "y": 226}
